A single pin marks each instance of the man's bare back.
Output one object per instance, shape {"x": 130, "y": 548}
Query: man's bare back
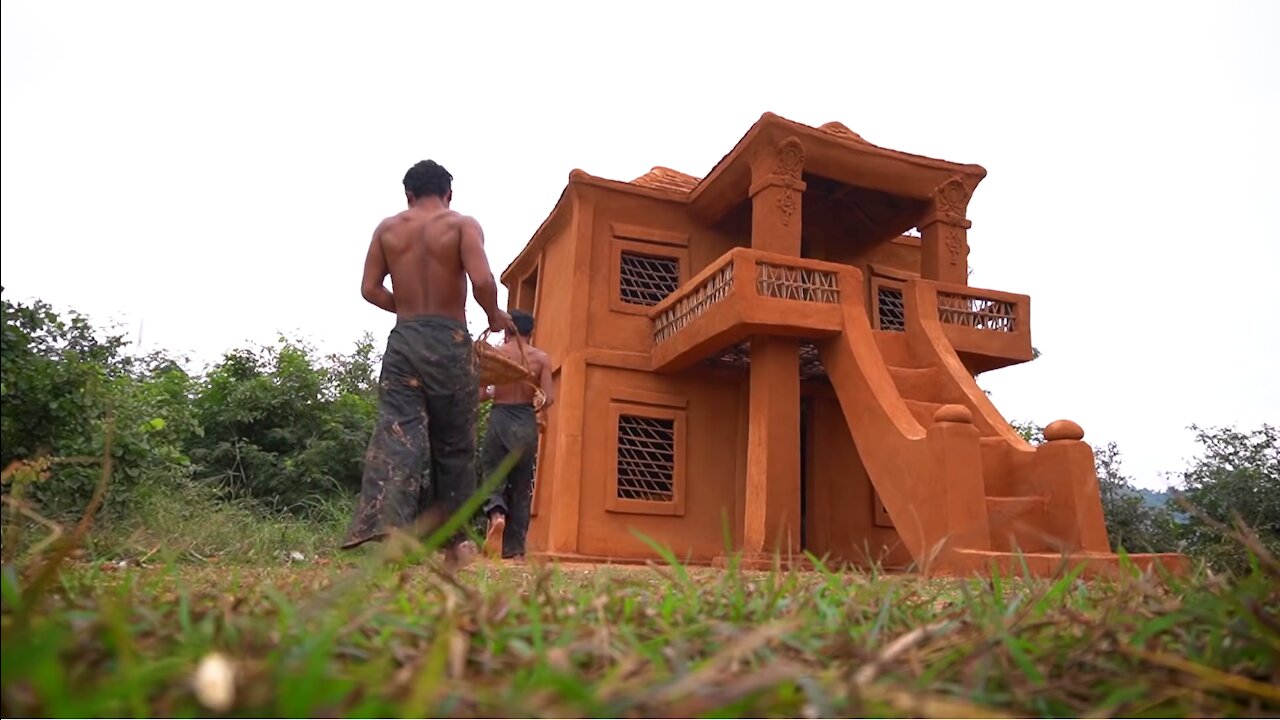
{"x": 539, "y": 365}
{"x": 430, "y": 251}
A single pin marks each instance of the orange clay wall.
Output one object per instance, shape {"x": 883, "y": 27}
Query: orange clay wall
{"x": 705, "y": 485}
{"x": 707, "y": 402}
{"x": 840, "y": 517}
{"x": 622, "y": 221}
{"x": 552, "y": 301}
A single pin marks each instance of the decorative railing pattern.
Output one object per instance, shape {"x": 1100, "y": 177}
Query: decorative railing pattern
{"x": 977, "y": 312}
{"x": 712, "y": 290}
{"x": 797, "y": 283}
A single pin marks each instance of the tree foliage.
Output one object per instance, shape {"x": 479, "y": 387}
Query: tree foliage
{"x": 1237, "y": 474}
{"x": 277, "y": 424}
{"x": 286, "y": 428}
{"x": 1132, "y": 522}
{"x": 59, "y": 378}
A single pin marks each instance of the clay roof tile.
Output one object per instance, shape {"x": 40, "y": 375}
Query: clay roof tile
{"x": 840, "y": 131}
{"x": 662, "y": 178}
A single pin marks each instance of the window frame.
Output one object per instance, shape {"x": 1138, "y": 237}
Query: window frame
{"x": 878, "y": 282}
{"x": 657, "y": 407}
{"x": 618, "y": 247}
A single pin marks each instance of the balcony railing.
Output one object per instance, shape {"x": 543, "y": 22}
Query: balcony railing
{"x": 977, "y": 312}
{"x": 796, "y": 282}
{"x": 748, "y": 292}
{"x": 710, "y": 290}
{"x": 745, "y": 274}
{"x": 987, "y": 328}
{"x": 742, "y": 293}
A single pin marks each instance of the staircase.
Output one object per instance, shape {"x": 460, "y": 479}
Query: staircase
{"x": 1013, "y": 514}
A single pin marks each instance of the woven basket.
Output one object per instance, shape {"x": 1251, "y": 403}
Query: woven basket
{"x": 496, "y": 368}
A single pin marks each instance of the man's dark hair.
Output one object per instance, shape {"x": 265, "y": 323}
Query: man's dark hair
{"x": 428, "y": 178}
{"x": 523, "y": 322}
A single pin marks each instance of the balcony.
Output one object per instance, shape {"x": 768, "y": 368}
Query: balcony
{"x": 988, "y": 329}
{"x": 749, "y": 292}
{"x": 743, "y": 293}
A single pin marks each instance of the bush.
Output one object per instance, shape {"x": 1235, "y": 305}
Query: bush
{"x": 285, "y": 427}
{"x": 59, "y": 378}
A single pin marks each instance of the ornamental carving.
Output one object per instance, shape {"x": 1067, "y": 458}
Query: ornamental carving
{"x": 787, "y": 204}
{"x": 951, "y": 198}
{"x": 790, "y": 160}
{"x": 787, "y": 169}
{"x": 953, "y": 242}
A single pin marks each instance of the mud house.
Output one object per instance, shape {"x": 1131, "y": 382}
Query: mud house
{"x": 781, "y": 356}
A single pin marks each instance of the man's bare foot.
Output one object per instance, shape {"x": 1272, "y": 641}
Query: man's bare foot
{"x": 493, "y": 538}
{"x": 460, "y": 555}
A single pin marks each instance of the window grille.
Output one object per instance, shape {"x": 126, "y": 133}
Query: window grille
{"x": 647, "y": 279}
{"x": 646, "y": 458}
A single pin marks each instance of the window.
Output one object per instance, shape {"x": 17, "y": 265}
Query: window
{"x": 643, "y": 274}
{"x": 647, "y": 458}
{"x": 647, "y": 279}
{"x": 528, "y": 288}
{"x": 890, "y": 309}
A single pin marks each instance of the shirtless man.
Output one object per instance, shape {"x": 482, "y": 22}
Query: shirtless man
{"x": 514, "y": 427}
{"x": 428, "y": 384}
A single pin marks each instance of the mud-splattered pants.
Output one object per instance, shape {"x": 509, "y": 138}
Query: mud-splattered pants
{"x": 426, "y": 421}
{"x": 512, "y": 428}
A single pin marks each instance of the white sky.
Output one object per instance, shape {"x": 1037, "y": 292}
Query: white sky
{"x": 214, "y": 170}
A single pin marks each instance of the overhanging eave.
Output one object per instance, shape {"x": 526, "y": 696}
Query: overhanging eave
{"x": 844, "y": 159}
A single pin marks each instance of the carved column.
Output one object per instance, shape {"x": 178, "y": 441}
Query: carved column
{"x": 776, "y": 193}
{"x": 944, "y": 245}
{"x": 771, "y": 507}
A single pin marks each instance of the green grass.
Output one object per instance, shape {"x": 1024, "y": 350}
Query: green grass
{"x": 389, "y": 631}
{"x": 381, "y": 635}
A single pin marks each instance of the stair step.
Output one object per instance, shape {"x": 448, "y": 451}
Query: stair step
{"x": 895, "y": 349}
{"x": 1019, "y": 522}
{"x": 922, "y": 410}
{"x": 926, "y": 383}
{"x": 1005, "y": 470}
{"x": 998, "y": 473}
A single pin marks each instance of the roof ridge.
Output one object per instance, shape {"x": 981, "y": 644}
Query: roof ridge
{"x": 664, "y": 178}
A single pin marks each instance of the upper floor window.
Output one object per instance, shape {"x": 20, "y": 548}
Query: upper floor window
{"x": 647, "y": 279}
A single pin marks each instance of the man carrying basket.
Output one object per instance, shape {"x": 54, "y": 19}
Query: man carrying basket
{"x": 428, "y": 384}
{"x": 513, "y": 428}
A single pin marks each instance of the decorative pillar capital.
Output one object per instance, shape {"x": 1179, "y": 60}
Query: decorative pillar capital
{"x": 944, "y": 230}
{"x": 950, "y": 204}
{"x": 781, "y": 168}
